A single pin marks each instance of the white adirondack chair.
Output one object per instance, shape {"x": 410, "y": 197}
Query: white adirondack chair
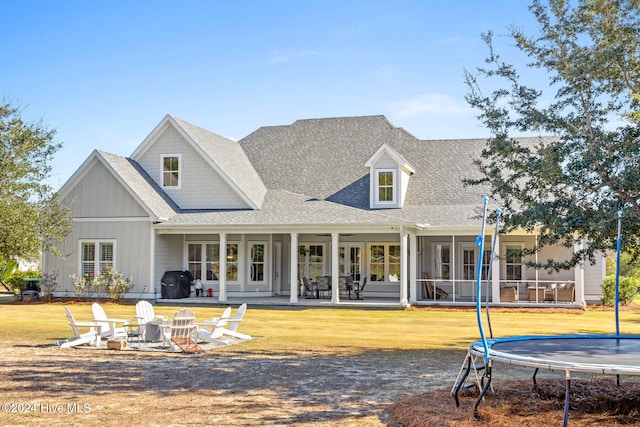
{"x": 212, "y": 331}
{"x": 108, "y": 328}
{"x": 144, "y": 314}
{"x": 91, "y": 337}
{"x": 234, "y": 322}
{"x": 181, "y": 333}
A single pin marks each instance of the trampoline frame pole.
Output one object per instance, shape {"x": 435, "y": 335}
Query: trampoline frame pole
{"x": 480, "y": 244}
{"x": 567, "y": 397}
{"x": 618, "y": 245}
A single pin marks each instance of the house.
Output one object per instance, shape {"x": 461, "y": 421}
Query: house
{"x": 350, "y": 196}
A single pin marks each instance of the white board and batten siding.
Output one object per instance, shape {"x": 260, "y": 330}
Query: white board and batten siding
{"x": 201, "y": 187}
{"x": 103, "y": 210}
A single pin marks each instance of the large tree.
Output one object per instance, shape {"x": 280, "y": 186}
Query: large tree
{"x": 569, "y": 186}
{"x": 31, "y": 219}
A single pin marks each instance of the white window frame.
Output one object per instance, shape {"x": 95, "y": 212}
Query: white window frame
{"x": 436, "y": 262}
{"x": 162, "y": 171}
{"x": 485, "y": 260}
{"x": 386, "y": 257}
{"x": 346, "y": 262}
{"x": 304, "y": 263}
{"x": 96, "y": 262}
{"x": 394, "y": 187}
{"x": 505, "y": 264}
{"x": 204, "y": 260}
{"x": 265, "y": 262}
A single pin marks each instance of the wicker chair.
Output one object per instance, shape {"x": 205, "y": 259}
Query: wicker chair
{"x": 509, "y": 294}
{"x": 566, "y": 293}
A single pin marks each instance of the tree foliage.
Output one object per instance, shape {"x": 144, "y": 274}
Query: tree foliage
{"x": 31, "y": 219}
{"x": 568, "y": 186}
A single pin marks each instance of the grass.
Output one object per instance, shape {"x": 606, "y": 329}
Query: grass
{"x": 334, "y": 330}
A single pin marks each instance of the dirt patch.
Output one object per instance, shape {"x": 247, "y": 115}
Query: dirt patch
{"x": 225, "y": 387}
{"x": 593, "y": 402}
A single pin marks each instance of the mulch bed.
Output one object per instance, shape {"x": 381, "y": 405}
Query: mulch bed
{"x": 593, "y": 402}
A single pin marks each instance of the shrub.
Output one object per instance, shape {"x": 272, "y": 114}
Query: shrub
{"x": 628, "y": 289}
{"x": 113, "y": 284}
{"x": 48, "y": 285}
{"x": 83, "y": 284}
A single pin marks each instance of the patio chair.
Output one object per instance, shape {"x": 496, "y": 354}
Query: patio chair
{"x": 234, "y": 322}
{"x": 144, "y": 314}
{"x": 212, "y": 331}
{"x": 309, "y": 288}
{"x": 323, "y": 284}
{"x": 428, "y": 289}
{"x": 91, "y": 337}
{"x": 181, "y": 333}
{"x": 345, "y": 291}
{"x": 509, "y": 294}
{"x": 108, "y": 328}
{"x": 566, "y": 292}
{"x": 359, "y": 289}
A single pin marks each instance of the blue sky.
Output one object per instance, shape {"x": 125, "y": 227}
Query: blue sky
{"x": 104, "y": 73}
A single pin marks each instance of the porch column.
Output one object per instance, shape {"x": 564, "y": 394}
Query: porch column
{"x": 413, "y": 268}
{"x": 403, "y": 267}
{"x": 293, "y": 276}
{"x": 495, "y": 272}
{"x": 335, "y": 268}
{"x": 223, "y": 267}
{"x": 152, "y": 267}
{"x": 579, "y": 275}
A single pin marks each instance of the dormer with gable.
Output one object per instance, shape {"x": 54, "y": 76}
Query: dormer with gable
{"x": 389, "y": 175}
{"x": 198, "y": 169}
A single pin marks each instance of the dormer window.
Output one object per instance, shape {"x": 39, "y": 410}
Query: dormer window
{"x": 389, "y": 176}
{"x": 171, "y": 168}
{"x": 385, "y": 183}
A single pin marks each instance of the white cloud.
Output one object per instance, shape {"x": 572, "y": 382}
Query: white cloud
{"x": 429, "y": 103}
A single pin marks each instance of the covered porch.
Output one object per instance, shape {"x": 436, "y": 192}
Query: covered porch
{"x": 397, "y": 265}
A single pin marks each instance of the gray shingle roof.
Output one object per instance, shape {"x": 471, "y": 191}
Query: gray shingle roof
{"x": 285, "y": 208}
{"x": 313, "y": 173}
{"x": 141, "y": 184}
{"x": 230, "y": 158}
{"x": 325, "y": 158}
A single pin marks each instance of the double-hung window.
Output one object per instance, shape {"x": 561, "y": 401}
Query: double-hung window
{"x": 385, "y": 185}
{"x": 171, "y": 170}
{"x": 96, "y": 257}
{"x": 513, "y": 262}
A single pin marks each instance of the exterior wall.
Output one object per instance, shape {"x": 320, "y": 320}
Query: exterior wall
{"x": 201, "y": 187}
{"x": 132, "y": 253}
{"x": 593, "y": 277}
{"x": 104, "y": 210}
{"x": 168, "y": 257}
{"x": 100, "y": 195}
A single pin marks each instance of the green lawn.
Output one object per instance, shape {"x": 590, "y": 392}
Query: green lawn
{"x": 333, "y": 330}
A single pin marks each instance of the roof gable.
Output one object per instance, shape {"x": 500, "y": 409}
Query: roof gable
{"x": 224, "y": 156}
{"x": 132, "y": 178}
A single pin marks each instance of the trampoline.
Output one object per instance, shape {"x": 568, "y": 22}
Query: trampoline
{"x": 597, "y": 354}
{"x": 613, "y": 354}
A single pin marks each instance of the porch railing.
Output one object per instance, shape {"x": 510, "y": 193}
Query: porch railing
{"x": 511, "y": 291}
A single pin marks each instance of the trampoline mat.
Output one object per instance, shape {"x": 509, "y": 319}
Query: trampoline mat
{"x": 563, "y": 352}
